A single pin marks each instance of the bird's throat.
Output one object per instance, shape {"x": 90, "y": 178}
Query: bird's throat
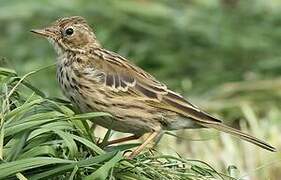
{"x": 59, "y": 50}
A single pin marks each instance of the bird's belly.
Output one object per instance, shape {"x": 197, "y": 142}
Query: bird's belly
{"x": 124, "y": 119}
{"x": 133, "y": 126}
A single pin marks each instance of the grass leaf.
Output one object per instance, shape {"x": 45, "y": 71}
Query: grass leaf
{"x": 10, "y": 168}
{"x": 103, "y": 171}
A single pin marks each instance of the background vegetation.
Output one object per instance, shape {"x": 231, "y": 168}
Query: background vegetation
{"x": 222, "y": 54}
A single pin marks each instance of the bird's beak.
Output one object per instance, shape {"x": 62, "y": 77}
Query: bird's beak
{"x": 47, "y": 32}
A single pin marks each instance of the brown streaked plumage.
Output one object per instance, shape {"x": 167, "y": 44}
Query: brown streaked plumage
{"x": 95, "y": 79}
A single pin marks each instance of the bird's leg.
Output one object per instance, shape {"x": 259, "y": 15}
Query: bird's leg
{"x": 128, "y": 138}
{"x": 150, "y": 138}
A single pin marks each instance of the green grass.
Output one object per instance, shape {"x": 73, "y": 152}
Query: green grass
{"x": 42, "y": 137}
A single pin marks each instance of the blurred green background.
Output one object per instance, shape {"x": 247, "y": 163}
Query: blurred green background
{"x": 189, "y": 44}
{"x": 222, "y": 53}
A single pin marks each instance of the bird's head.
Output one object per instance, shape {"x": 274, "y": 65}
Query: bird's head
{"x": 70, "y": 33}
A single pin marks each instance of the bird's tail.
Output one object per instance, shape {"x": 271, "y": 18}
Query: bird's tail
{"x": 178, "y": 104}
{"x": 240, "y": 134}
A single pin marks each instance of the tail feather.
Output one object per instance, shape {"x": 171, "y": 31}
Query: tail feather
{"x": 181, "y": 106}
{"x": 242, "y": 135}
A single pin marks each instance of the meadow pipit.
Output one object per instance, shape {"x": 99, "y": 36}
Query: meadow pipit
{"x": 95, "y": 79}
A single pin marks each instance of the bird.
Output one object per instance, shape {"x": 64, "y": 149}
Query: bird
{"x": 96, "y": 79}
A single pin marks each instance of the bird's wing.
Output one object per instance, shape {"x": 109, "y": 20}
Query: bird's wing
{"x": 120, "y": 75}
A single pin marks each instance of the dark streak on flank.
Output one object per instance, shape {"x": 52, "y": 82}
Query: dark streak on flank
{"x": 73, "y": 80}
{"x": 83, "y": 86}
{"x": 77, "y": 73}
{"x": 124, "y": 106}
{"x": 72, "y": 99}
{"x": 89, "y": 106}
{"x": 64, "y": 85}
{"x": 100, "y": 103}
{"x": 67, "y": 77}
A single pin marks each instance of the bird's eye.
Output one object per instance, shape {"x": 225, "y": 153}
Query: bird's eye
{"x": 69, "y": 31}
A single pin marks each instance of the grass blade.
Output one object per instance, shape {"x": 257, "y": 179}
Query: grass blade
{"x": 10, "y": 168}
{"x": 103, "y": 171}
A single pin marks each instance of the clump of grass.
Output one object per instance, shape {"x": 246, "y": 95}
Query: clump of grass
{"x": 43, "y": 137}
